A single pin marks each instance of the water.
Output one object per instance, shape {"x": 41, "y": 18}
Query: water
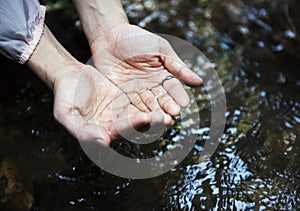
{"x": 254, "y": 46}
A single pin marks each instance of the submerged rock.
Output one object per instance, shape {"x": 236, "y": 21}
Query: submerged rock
{"x": 15, "y": 188}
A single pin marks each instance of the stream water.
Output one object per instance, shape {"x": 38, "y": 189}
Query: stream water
{"x": 254, "y": 46}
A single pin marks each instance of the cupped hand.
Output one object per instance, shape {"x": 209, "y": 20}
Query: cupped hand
{"x": 145, "y": 67}
{"x": 92, "y": 108}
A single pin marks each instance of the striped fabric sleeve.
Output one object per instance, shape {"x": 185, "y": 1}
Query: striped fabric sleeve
{"x": 21, "y": 27}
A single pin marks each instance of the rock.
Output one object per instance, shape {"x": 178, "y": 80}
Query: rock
{"x": 15, "y": 188}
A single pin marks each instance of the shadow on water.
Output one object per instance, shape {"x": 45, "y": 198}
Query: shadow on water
{"x": 253, "y": 45}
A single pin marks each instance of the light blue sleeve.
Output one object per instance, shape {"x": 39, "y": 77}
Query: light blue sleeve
{"x": 21, "y": 27}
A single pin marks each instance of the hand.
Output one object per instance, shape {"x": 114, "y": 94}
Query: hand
{"x": 139, "y": 63}
{"x": 86, "y": 103}
{"x": 91, "y": 108}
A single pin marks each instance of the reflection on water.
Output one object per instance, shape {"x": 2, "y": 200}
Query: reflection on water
{"x": 253, "y": 45}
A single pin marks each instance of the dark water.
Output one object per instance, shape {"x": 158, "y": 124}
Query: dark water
{"x": 254, "y": 46}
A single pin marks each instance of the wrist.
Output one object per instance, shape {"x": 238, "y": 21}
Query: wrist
{"x": 106, "y": 26}
{"x": 99, "y": 17}
{"x": 49, "y": 59}
{"x": 108, "y": 36}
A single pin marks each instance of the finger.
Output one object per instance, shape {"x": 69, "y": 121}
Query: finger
{"x": 150, "y": 101}
{"x": 166, "y": 102}
{"x": 177, "y": 67}
{"x": 143, "y": 127}
{"x": 159, "y": 117}
{"x": 177, "y": 92}
{"x": 156, "y": 117}
{"x": 157, "y": 122}
{"x": 137, "y": 102}
{"x": 127, "y": 124}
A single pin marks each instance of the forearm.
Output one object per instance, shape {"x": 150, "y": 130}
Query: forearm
{"x": 99, "y": 16}
{"x": 49, "y": 58}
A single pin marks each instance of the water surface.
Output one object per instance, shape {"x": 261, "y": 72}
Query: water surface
{"x": 254, "y": 47}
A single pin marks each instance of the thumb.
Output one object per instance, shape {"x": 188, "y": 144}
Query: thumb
{"x": 177, "y": 67}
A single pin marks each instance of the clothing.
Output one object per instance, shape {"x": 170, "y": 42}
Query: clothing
{"x": 21, "y": 27}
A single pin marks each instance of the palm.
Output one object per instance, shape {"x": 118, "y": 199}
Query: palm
{"x": 138, "y": 64}
{"x": 90, "y": 106}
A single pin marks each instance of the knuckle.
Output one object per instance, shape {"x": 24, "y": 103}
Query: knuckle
{"x": 180, "y": 70}
{"x": 166, "y": 103}
{"x": 164, "y": 98}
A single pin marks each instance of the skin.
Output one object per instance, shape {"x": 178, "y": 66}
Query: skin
{"x": 124, "y": 91}
{"x": 83, "y": 97}
{"x": 115, "y": 43}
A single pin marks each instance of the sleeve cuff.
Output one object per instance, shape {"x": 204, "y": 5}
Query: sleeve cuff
{"x": 31, "y": 45}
